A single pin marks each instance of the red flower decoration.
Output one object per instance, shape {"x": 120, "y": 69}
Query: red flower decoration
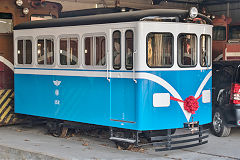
{"x": 191, "y": 104}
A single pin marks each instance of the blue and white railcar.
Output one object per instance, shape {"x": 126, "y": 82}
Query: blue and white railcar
{"x": 142, "y": 70}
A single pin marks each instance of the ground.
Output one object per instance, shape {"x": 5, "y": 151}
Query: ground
{"x": 19, "y": 142}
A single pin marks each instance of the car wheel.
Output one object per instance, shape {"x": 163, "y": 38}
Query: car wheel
{"x": 218, "y": 127}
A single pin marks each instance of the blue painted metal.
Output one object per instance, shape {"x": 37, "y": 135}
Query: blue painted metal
{"x": 122, "y": 99}
{"x": 96, "y": 101}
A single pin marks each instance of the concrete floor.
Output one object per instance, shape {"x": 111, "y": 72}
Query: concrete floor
{"x": 17, "y": 142}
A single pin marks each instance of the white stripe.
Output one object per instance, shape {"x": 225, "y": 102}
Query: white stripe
{"x": 7, "y": 63}
{"x": 75, "y": 73}
{"x": 61, "y": 72}
{"x": 232, "y": 54}
{"x": 218, "y": 57}
{"x": 204, "y": 82}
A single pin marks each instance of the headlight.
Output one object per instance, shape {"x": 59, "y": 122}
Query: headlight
{"x": 19, "y": 3}
{"x": 193, "y": 12}
{"x": 25, "y": 11}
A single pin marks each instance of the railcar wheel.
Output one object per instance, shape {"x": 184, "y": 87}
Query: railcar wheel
{"x": 218, "y": 127}
{"x": 60, "y": 132}
{"x": 124, "y": 145}
{"x": 57, "y": 130}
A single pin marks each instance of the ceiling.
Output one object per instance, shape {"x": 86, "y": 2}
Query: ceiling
{"x": 139, "y": 4}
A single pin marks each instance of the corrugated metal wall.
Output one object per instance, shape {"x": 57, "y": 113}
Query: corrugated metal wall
{"x": 221, "y": 9}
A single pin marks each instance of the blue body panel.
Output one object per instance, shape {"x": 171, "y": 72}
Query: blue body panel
{"x": 118, "y": 103}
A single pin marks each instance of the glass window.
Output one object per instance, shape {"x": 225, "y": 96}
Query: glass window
{"x": 116, "y": 50}
{"x": 160, "y": 49}
{"x": 68, "y": 51}
{"x": 63, "y": 51}
{"x": 205, "y": 50}
{"x": 40, "y": 51}
{"x": 28, "y": 52}
{"x": 20, "y": 51}
{"x": 24, "y": 51}
{"x": 100, "y": 51}
{"x": 37, "y": 17}
{"x": 234, "y": 32}
{"x": 187, "y": 52}
{"x": 45, "y": 51}
{"x": 50, "y": 51}
{"x": 219, "y": 33}
{"x": 6, "y": 23}
{"x": 88, "y": 50}
{"x": 95, "y": 56}
{"x": 73, "y": 51}
{"x": 129, "y": 49}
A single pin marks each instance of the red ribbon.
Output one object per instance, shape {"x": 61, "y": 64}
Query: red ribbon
{"x": 190, "y": 103}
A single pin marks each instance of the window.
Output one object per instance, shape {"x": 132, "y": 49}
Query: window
{"x": 49, "y": 51}
{"x": 24, "y": 51}
{"x": 20, "y": 51}
{"x": 219, "y": 33}
{"x": 205, "y": 51}
{"x": 6, "y": 23}
{"x": 45, "y": 51}
{"x": 129, "y": 49}
{"x": 95, "y": 50}
{"x": 40, "y": 51}
{"x": 88, "y": 51}
{"x": 160, "y": 49}
{"x": 37, "y": 17}
{"x": 187, "y": 52}
{"x": 116, "y": 50}
{"x": 69, "y": 51}
{"x": 63, "y": 51}
{"x": 234, "y": 32}
{"x": 100, "y": 51}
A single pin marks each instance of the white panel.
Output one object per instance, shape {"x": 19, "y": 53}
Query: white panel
{"x": 161, "y": 99}
{"x": 206, "y": 96}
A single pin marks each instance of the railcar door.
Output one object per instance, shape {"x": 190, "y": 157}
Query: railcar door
{"x": 122, "y": 84}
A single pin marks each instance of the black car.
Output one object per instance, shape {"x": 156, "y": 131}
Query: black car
{"x": 226, "y": 97}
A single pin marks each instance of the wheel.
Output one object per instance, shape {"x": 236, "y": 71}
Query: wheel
{"x": 57, "y": 130}
{"x": 218, "y": 127}
{"x": 124, "y": 145}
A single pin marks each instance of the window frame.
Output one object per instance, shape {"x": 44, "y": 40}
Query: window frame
{"x": 55, "y": 46}
{"x": 120, "y": 66}
{"x": 200, "y": 56}
{"x": 166, "y": 66}
{"x": 126, "y": 49}
{"x": 196, "y": 58}
{"x": 24, "y": 38}
{"x": 93, "y": 35}
{"x": 68, "y": 36}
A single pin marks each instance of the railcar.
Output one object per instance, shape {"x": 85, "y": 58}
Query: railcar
{"x": 141, "y": 73}
{"x": 13, "y": 12}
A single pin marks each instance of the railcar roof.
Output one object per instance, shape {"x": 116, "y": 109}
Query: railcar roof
{"x": 103, "y": 18}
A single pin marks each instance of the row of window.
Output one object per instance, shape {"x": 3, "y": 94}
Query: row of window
{"x": 94, "y": 50}
{"x": 220, "y": 33}
{"x": 160, "y": 50}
